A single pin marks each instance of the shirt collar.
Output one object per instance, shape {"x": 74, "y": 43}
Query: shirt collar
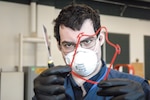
{"x": 87, "y": 85}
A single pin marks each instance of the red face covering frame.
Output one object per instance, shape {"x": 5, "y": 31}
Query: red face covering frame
{"x": 117, "y": 51}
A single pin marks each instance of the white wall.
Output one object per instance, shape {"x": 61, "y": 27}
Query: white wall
{"x": 135, "y": 27}
{"x": 15, "y": 19}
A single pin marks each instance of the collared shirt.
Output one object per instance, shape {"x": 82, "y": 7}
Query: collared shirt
{"x": 87, "y": 86}
{"x": 74, "y": 92}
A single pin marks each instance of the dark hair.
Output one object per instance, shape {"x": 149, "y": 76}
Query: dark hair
{"x": 73, "y": 16}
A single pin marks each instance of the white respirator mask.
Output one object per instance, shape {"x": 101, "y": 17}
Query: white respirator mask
{"x": 85, "y": 61}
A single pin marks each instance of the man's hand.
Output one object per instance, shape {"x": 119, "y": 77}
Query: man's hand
{"x": 49, "y": 85}
{"x": 121, "y": 89}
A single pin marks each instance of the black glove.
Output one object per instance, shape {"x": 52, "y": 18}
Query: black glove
{"x": 49, "y": 85}
{"x": 121, "y": 89}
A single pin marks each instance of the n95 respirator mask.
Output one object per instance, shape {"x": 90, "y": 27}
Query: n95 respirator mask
{"x": 85, "y": 61}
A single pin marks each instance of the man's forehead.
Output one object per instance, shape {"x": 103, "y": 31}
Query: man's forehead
{"x": 87, "y": 27}
{"x": 67, "y": 34}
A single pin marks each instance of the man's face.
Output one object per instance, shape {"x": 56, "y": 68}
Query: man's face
{"x": 68, "y": 37}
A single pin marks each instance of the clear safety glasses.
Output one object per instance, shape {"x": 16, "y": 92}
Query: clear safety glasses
{"x": 87, "y": 43}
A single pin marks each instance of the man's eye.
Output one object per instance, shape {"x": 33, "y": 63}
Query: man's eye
{"x": 67, "y": 45}
{"x": 87, "y": 41}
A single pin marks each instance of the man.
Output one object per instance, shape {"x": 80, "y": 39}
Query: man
{"x": 82, "y": 78}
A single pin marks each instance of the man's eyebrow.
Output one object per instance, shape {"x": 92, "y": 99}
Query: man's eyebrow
{"x": 80, "y": 41}
{"x": 68, "y": 42}
{"x": 87, "y": 39}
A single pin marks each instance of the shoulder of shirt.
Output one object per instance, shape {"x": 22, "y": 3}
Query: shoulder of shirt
{"x": 117, "y": 74}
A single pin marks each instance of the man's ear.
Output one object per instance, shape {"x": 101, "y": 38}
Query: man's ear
{"x": 102, "y": 38}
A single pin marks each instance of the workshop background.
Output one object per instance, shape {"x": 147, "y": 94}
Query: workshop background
{"x": 23, "y": 53}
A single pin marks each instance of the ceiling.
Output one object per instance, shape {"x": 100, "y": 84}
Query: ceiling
{"x": 124, "y": 8}
{"x": 127, "y": 8}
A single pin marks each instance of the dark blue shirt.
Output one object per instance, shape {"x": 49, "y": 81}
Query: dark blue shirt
{"x": 74, "y": 92}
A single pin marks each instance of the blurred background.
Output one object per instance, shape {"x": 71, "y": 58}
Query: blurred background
{"x": 23, "y": 54}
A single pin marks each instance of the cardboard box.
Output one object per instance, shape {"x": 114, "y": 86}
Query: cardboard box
{"x": 139, "y": 69}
